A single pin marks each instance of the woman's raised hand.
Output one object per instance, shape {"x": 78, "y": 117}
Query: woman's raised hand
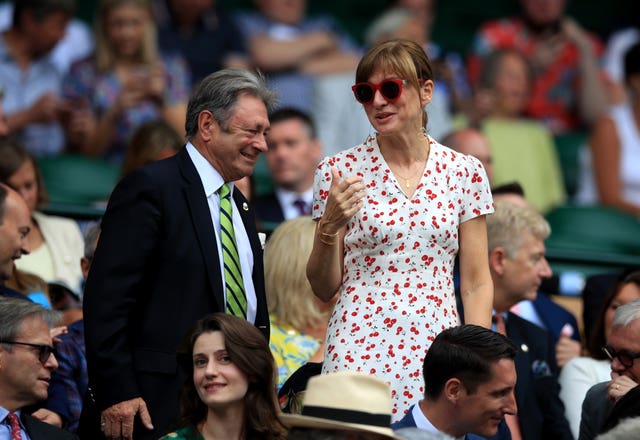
{"x": 345, "y": 199}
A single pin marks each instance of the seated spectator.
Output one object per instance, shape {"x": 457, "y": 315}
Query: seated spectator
{"x": 31, "y": 286}
{"x": 224, "y": 349}
{"x": 569, "y": 90}
{"x": 31, "y": 82}
{"x": 309, "y": 61}
{"x": 582, "y": 373}
{"x": 26, "y": 354}
{"x": 472, "y": 142}
{"x": 153, "y": 140}
{"x": 523, "y": 149}
{"x": 207, "y": 38}
{"x": 298, "y": 318}
{"x": 516, "y": 259}
{"x": 332, "y": 400}
{"x": 76, "y": 44}
{"x": 605, "y": 402}
{"x": 611, "y": 164}
{"x": 294, "y": 152}
{"x": 126, "y": 82}
{"x": 55, "y": 243}
{"x": 15, "y": 226}
{"x": 414, "y": 20}
{"x": 619, "y": 42}
{"x": 470, "y": 377}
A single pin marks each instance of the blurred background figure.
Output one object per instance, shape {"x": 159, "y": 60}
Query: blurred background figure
{"x": 294, "y": 151}
{"x": 523, "y": 149}
{"x": 151, "y": 141}
{"x": 309, "y": 61}
{"x": 125, "y": 83}
{"x": 569, "y": 91}
{"x": 611, "y": 163}
{"x": 581, "y": 373}
{"x": 76, "y": 44}
{"x": 31, "y": 82}
{"x": 207, "y": 38}
{"x": 414, "y": 20}
{"x": 56, "y": 243}
{"x": 223, "y": 348}
{"x": 473, "y": 142}
{"x": 298, "y": 318}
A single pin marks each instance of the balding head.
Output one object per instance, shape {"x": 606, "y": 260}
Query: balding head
{"x": 15, "y": 224}
{"x": 472, "y": 142}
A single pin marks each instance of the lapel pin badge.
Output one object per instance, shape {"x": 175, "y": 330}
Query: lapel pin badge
{"x": 524, "y": 348}
{"x": 245, "y": 206}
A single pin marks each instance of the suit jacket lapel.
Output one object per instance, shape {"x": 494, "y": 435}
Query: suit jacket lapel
{"x": 202, "y": 224}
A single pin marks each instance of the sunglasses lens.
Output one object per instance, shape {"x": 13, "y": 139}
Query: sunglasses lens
{"x": 364, "y": 93}
{"x": 390, "y": 90}
{"x": 45, "y": 352}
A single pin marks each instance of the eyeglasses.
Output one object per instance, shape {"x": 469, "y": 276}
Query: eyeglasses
{"x": 391, "y": 89}
{"x": 624, "y": 357}
{"x": 44, "y": 351}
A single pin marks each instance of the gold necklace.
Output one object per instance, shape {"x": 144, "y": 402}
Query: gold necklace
{"x": 407, "y": 180}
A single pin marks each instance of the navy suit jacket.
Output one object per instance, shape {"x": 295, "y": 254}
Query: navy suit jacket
{"x": 38, "y": 430}
{"x": 540, "y": 410}
{"x": 555, "y": 317}
{"x": 155, "y": 272}
{"x": 409, "y": 422}
{"x": 268, "y": 209}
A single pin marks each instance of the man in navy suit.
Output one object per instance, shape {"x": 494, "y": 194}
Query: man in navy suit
{"x": 27, "y": 359}
{"x": 517, "y": 263}
{"x": 470, "y": 377}
{"x": 158, "y": 267}
{"x": 294, "y": 152}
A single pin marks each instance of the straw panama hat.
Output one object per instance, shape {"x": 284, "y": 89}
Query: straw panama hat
{"x": 345, "y": 400}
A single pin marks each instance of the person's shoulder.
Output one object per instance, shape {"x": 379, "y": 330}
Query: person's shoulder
{"x": 56, "y": 221}
{"x": 39, "y": 430}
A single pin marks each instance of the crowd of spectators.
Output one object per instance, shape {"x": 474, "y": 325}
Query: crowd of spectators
{"x": 117, "y": 90}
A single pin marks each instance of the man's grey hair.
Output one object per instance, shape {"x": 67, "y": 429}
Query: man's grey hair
{"x": 510, "y": 223}
{"x": 219, "y": 92}
{"x": 91, "y": 240}
{"x": 13, "y": 312}
{"x": 626, "y": 314}
{"x": 626, "y": 429}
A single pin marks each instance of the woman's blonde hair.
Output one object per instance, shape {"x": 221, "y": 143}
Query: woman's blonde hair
{"x": 289, "y": 293}
{"x": 105, "y": 56}
{"x": 403, "y": 57}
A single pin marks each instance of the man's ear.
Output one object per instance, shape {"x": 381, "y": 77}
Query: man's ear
{"x": 497, "y": 259}
{"x": 453, "y": 389}
{"x": 208, "y": 127}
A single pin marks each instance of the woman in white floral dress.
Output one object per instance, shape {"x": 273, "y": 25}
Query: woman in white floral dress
{"x": 392, "y": 214}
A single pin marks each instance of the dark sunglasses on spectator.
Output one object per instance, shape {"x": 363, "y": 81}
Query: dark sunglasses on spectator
{"x": 624, "y": 357}
{"x": 391, "y": 89}
{"x": 44, "y": 351}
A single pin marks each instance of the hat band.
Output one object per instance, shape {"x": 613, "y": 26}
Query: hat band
{"x": 348, "y": 416}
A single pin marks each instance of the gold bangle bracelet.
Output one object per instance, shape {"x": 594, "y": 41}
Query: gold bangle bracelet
{"x": 335, "y": 234}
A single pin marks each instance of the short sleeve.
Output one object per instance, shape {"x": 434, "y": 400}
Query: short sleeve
{"x": 321, "y": 185}
{"x": 476, "y": 192}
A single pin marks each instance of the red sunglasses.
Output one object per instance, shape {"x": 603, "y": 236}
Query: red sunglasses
{"x": 391, "y": 89}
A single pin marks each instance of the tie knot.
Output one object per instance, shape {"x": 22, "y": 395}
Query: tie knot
{"x": 224, "y": 191}
{"x": 302, "y": 206}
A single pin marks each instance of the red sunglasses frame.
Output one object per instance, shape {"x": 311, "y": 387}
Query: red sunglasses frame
{"x": 378, "y": 87}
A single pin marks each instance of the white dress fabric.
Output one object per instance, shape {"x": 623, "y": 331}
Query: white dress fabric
{"x": 397, "y": 290}
{"x": 629, "y": 136}
{"x": 576, "y": 377}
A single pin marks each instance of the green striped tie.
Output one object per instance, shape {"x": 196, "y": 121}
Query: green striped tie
{"x": 236, "y": 299}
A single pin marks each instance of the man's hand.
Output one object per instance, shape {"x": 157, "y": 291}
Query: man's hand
{"x": 566, "y": 349}
{"x": 48, "y": 416}
{"x": 116, "y": 421}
